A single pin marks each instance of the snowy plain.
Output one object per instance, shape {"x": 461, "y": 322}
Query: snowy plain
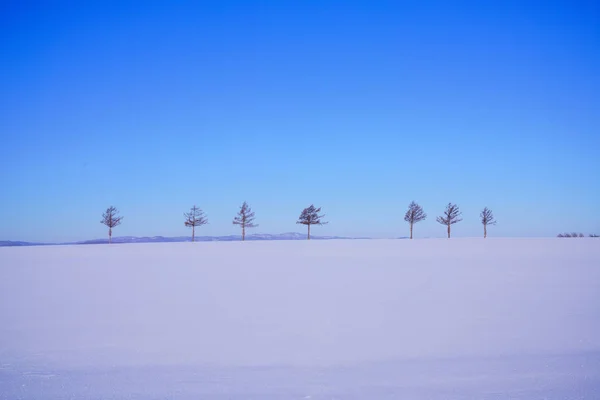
{"x": 340, "y": 319}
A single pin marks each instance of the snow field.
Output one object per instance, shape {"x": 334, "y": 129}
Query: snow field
{"x": 430, "y": 318}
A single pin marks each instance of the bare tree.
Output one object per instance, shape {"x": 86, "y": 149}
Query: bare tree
{"x": 111, "y": 219}
{"x": 310, "y": 216}
{"x": 414, "y": 214}
{"x": 194, "y": 218}
{"x": 487, "y": 218}
{"x": 572, "y": 235}
{"x": 245, "y": 219}
{"x": 594, "y": 235}
{"x": 451, "y": 216}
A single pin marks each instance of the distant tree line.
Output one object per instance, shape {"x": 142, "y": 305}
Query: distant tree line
{"x": 575, "y": 235}
{"x": 311, "y": 215}
{"x": 451, "y": 216}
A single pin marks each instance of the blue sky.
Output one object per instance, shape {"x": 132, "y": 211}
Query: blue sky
{"x": 358, "y": 107}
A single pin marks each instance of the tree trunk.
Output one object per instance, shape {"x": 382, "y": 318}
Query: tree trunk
{"x": 109, "y": 235}
{"x": 308, "y": 238}
{"x": 193, "y": 233}
{"x": 243, "y": 233}
{"x": 448, "y": 231}
{"x": 411, "y": 226}
{"x": 484, "y": 231}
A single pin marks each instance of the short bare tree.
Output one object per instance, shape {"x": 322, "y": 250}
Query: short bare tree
{"x": 310, "y": 216}
{"x": 194, "y": 218}
{"x": 414, "y": 214}
{"x": 111, "y": 219}
{"x": 572, "y": 235}
{"x": 451, "y": 216}
{"x": 487, "y": 218}
{"x": 245, "y": 219}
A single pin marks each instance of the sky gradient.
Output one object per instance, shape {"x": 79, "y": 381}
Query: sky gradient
{"x": 358, "y": 107}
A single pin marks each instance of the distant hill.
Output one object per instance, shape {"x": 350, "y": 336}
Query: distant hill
{"x": 162, "y": 239}
{"x": 10, "y": 243}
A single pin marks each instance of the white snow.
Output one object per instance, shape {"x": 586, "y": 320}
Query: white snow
{"x": 345, "y": 319}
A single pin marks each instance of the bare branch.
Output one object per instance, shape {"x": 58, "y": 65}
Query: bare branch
{"x": 195, "y": 217}
{"x": 110, "y": 218}
{"x": 310, "y": 216}
{"x": 415, "y": 213}
{"x": 451, "y": 215}
{"x": 487, "y": 217}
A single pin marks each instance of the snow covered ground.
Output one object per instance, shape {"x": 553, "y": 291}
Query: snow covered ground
{"x": 341, "y": 319}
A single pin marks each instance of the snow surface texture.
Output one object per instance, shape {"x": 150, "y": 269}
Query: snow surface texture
{"x": 365, "y": 319}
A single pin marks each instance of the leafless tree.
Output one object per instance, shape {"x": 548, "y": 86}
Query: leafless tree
{"x": 487, "y": 218}
{"x": 111, "y": 219}
{"x": 245, "y": 219}
{"x": 414, "y": 214}
{"x": 594, "y": 235}
{"x": 451, "y": 216}
{"x": 194, "y": 218}
{"x": 310, "y": 216}
{"x": 572, "y": 235}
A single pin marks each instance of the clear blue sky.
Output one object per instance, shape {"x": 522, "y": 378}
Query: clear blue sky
{"x": 358, "y": 107}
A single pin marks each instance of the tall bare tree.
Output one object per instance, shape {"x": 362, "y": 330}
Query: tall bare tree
{"x": 451, "y": 216}
{"x": 245, "y": 219}
{"x": 194, "y": 218}
{"x": 487, "y": 218}
{"x": 310, "y": 216}
{"x": 414, "y": 214}
{"x": 111, "y": 219}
